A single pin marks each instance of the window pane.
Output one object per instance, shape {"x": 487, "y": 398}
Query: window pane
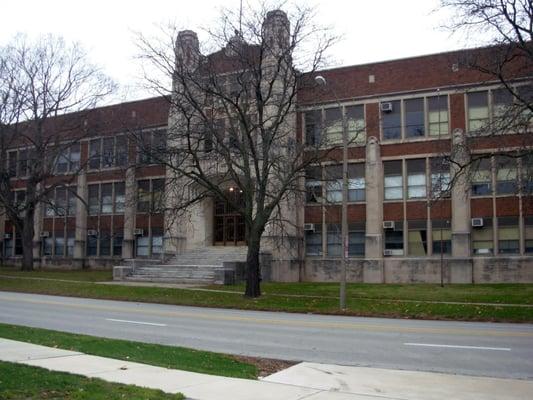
{"x": 94, "y": 154}
{"x": 482, "y": 238}
{"x": 355, "y": 123}
{"x": 506, "y": 175}
{"x": 143, "y": 196}
{"x": 312, "y": 127}
{"x": 333, "y": 125}
{"x": 94, "y": 204}
{"x": 107, "y": 198}
{"x": 417, "y": 238}
{"x": 120, "y": 197}
{"x": 108, "y": 152}
{"x": 392, "y": 121}
{"x": 75, "y": 155}
{"x": 414, "y": 118}
{"x": 313, "y": 241}
{"x": 478, "y": 111}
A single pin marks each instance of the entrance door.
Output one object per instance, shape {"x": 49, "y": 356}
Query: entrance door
{"x": 229, "y": 225}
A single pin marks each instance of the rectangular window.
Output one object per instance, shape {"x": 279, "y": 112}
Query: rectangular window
{"x": 313, "y": 241}
{"x": 502, "y": 102}
{"x": 18, "y": 244}
{"x": 528, "y": 234}
{"x": 506, "y": 175}
{"x": 394, "y": 239}
{"x": 12, "y": 163}
{"x": 524, "y": 101}
{"x": 440, "y": 178}
{"x": 438, "y": 115}
{"x": 120, "y": 197}
{"x": 72, "y": 201}
{"x": 333, "y": 179}
{"x": 105, "y": 243}
{"x": 481, "y": 177}
{"x": 108, "y": 152}
{"x": 8, "y": 245}
{"x": 106, "y": 202}
{"x": 61, "y": 202}
{"x": 23, "y": 163}
{"x": 333, "y": 125}
{"x": 92, "y": 245}
{"x": 312, "y": 127}
{"x": 442, "y": 237}
{"x": 71, "y": 239}
{"x": 121, "y": 151}
{"x": 508, "y": 235}
{"x": 94, "y": 199}
{"x": 355, "y": 124}
{"x": 63, "y": 161}
{"x": 143, "y": 246}
{"x": 49, "y": 204}
{"x": 356, "y": 182}
{"x": 334, "y": 243}
{"x": 482, "y": 238}
{"x": 117, "y": 244}
{"x": 145, "y": 148}
{"x": 94, "y": 153}
{"x": 478, "y": 111}
{"x": 416, "y": 178}
{"x": 157, "y": 241}
{"x": 143, "y": 196}
{"x": 356, "y": 239}
{"x": 74, "y": 158}
{"x": 527, "y": 174}
{"x": 393, "y": 180}
{"x": 313, "y": 185}
{"x": 48, "y": 245}
{"x": 417, "y": 238}
{"x": 391, "y": 121}
{"x": 159, "y": 145}
{"x": 59, "y": 243}
{"x": 158, "y": 191}
{"x": 414, "y": 118}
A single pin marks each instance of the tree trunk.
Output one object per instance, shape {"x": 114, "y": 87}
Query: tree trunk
{"x": 253, "y": 271}
{"x": 27, "y": 241}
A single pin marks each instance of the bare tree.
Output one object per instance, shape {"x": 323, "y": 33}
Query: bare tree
{"x": 507, "y": 27}
{"x": 233, "y": 119}
{"x": 40, "y": 82}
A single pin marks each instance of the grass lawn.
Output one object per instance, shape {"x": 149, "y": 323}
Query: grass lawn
{"x": 74, "y": 275}
{"x": 22, "y": 382}
{"x": 153, "y": 354}
{"x": 399, "y": 301}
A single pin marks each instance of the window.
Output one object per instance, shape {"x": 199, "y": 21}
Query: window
{"x": 393, "y": 180}
{"x": 74, "y": 157}
{"x": 94, "y": 153}
{"x": 108, "y": 152}
{"x": 414, "y": 118}
{"x": 143, "y": 196}
{"x": 527, "y": 174}
{"x": 481, "y": 177}
{"x": 394, "y": 239}
{"x": 478, "y": 111}
{"x": 106, "y": 202}
{"x": 152, "y": 146}
{"x": 59, "y": 243}
{"x": 482, "y": 238}
{"x": 94, "y": 205}
{"x": 355, "y": 124}
{"x": 71, "y": 239}
{"x": 23, "y": 163}
{"x": 333, "y": 125}
{"x": 440, "y": 178}
{"x": 8, "y": 247}
{"x": 416, "y": 178}
{"x": 506, "y": 175}
{"x": 61, "y": 202}
{"x": 143, "y": 246}
{"x": 333, "y": 178}
{"x": 525, "y": 94}
{"x": 442, "y": 237}
{"x": 121, "y": 151}
{"x": 356, "y": 182}
{"x": 356, "y": 239}
{"x": 120, "y": 197}
{"x": 502, "y": 101}
{"x": 48, "y": 244}
{"x": 313, "y": 241}
{"x": 438, "y": 115}
{"x": 508, "y": 235}
{"x": 528, "y": 234}
{"x": 334, "y": 243}
{"x": 92, "y": 245}
{"x": 157, "y": 241}
{"x": 158, "y": 191}
{"x": 18, "y": 244}
{"x": 392, "y": 121}
{"x": 12, "y": 163}
{"x": 62, "y": 162}
{"x": 72, "y": 201}
{"x": 49, "y": 204}
{"x": 312, "y": 127}
{"x": 417, "y": 238}
{"x": 118, "y": 238}
{"x": 313, "y": 184}
{"x": 105, "y": 243}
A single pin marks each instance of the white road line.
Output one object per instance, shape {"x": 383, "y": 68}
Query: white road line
{"x": 135, "y": 322}
{"x": 449, "y": 346}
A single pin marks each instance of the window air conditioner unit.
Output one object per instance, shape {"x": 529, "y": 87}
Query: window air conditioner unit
{"x": 45, "y": 234}
{"x": 92, "y": 232}
{"x": 387, "y": 252}
{"x": 309, "y": 227}
{"x": 138, "y": 232}
{"x": 7, "y": 236}
{"x": 477, "y": 222}
{"x": 386, "y": 107}
{"x": 393, "y": 252}
{"x": 388, "y": 224}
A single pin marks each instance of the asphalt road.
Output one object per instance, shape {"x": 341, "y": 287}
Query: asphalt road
{"x": 482, "y": 349}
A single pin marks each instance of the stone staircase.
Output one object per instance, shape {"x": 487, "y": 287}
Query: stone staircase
{"x": 198, "y": 266}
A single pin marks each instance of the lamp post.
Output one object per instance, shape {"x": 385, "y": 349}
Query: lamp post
{"x": 321, "y": 81}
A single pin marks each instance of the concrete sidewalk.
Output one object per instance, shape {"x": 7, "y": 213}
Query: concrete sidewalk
{"x": 304, "y": 381}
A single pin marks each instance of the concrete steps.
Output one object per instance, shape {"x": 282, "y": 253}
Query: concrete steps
{"x": 198, "y": 266}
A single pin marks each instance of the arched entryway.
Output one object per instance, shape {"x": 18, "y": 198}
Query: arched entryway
{"x": 229, "y": 227}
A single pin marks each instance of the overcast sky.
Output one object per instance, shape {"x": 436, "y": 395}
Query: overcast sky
{"x": 372, "y": 30}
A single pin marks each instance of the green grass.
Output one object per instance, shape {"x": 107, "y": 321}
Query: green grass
{"x": 399, "y": 301}
{"x": 73, "y": 275}
{"x": 153, "y": 354}
{"x": 21, "y": 382}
